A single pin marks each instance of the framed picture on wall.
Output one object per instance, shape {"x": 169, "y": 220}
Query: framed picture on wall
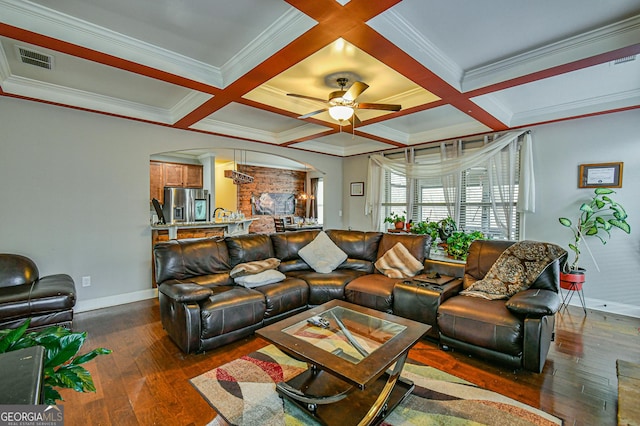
{"x": 357, "y": 189}
{"x": 603, "y": 175}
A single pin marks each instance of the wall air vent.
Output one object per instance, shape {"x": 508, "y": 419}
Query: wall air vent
{"x": 625, "y": 59}
{"x": 31, "y": 57}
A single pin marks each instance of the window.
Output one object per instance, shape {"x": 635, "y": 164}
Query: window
{"x": 467, "y": 198}
{"x": 320, "y": 201}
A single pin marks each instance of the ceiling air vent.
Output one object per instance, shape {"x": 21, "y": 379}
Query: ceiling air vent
{"x": 31, "y": 57}
{"x": 625, "y": 59}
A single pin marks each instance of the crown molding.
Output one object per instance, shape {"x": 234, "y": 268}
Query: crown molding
{"x": 288, "y": 27}
{"x": 81, "y": 99}
{"x": 386, "y": 132}
{"x": 403, "y": 34}
{"x": 591, "y": 43}
{"x": 188, "y": 104}
{"x": 230, "y": 129}
{"x": 583, "y": 106}
{"x": 42, "y": 20}
{"x": 492, "y": 105}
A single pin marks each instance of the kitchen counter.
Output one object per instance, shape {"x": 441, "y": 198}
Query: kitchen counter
{"x": 233, "y": 227}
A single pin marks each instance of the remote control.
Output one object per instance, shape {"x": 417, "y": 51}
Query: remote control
{"x": 318, "y": 322}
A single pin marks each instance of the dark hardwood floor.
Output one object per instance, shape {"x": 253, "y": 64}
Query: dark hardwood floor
{"x": 145, "y": 381}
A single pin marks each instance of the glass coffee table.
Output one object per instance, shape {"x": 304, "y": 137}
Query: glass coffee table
{"x": 355, "y": 357}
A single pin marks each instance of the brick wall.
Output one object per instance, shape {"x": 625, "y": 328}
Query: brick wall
{"x": 266, "y": 179}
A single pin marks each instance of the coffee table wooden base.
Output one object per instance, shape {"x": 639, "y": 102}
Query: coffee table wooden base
{"x": 331, "y": 401}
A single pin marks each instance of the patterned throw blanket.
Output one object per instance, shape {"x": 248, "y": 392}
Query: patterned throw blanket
{"x": 516, "y": 269}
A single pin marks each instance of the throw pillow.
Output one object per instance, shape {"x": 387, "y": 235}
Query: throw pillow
{"x": 398, "y": 262}
{"x": 269, "y": 276}
{"x": 322, "y": 254}
{"x": 516, "y": 269}
{"x": 255, "y": 267}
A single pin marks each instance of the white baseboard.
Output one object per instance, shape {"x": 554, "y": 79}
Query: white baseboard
{"x": 607, "y": 306}
{"x": 120, "y": 299}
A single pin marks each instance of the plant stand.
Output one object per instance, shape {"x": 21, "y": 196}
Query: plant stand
{"x": 572, "y": 283}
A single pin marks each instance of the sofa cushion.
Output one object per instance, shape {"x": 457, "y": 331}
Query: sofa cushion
{"x": 247, "y": 248}
{"x": 255, "y": 267}
{"x": 284, "y": 297}
{"x": 184, "y": 259}
{"x": 480, "y": 322}
{"x": 515, "y": 270}
{"x": 373, "y": 291}
{"x": 418, "y": 245}
{"x": 326, "y": 287}
{"x": 397, "y": 262}
{"x": 286, "y": 245}
{"x": 269, "y": 276}
{"x": 322, "y": 254}
{"x": 357, "y": 244}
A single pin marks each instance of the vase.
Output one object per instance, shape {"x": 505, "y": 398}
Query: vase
{"x": 399, "y": 225}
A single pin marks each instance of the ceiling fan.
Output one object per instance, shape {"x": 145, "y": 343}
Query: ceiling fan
{"x": 342, "y": 103}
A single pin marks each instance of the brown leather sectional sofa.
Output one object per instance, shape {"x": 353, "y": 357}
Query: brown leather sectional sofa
{"x": 202, "y": 308}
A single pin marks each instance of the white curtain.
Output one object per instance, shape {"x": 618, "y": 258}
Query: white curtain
{"x": 498, "y": 156}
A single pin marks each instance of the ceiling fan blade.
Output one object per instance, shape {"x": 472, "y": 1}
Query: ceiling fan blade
{"x": 354, "y": 120}
{"x": 384, "y": 107}
{"x": 313, "y": 113}
{"x": 355, "y": 90}
{"x": 307, "y": 97}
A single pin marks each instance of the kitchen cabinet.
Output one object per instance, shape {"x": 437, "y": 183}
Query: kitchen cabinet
{"x": 157, "y": 181}
{"x": 173, "y": 174}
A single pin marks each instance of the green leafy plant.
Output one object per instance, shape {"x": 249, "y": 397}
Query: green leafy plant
{"x": 62, "y": 367}
{"x": 396, "y": 217}
{"x": 426, "y": 227}
{"x": 597, "y": 218}
{"x": 459, "y": 242}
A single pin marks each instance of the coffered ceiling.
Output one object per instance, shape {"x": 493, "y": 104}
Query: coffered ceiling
{"x": 457, "y": 67}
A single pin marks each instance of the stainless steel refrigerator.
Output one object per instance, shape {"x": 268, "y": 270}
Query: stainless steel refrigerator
{"x": 184, "y": 205}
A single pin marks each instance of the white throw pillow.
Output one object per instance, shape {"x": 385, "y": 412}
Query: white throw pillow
{"x": 322, "y": 254}
{"x": 269, "y": 276}
{"x": 398, "y": 262}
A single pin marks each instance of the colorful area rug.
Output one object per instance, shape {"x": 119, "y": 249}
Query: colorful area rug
{"x": 243, "y": 393}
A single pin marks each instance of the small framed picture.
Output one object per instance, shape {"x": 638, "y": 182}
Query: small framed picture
{"x": 357, "y": 189}
{"x": 604, "y": 175}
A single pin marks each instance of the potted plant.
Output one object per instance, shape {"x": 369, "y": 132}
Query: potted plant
{"x": 447, "y": 227}
{"x": 62, "y": 367}
{"x": 596, "y": 218}
{"x": 397, "y": 219}
{"x": 459, "y": 242}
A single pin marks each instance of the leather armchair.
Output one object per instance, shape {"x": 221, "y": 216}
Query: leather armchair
{"x": 516, "y": 332}
{"x": 24, "y": 294}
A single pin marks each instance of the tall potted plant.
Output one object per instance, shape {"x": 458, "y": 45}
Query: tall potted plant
{"x": 596, "y": 218}
{"x": 62, "y": 367}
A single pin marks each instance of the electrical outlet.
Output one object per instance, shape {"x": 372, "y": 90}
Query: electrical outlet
{"x": 86, "y": 281}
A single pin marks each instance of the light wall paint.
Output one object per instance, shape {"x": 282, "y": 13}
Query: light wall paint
{"x": 558, "y": 149}
{"x": 75, "y": 193}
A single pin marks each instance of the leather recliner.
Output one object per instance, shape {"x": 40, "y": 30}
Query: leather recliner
{"x": 24, "y": 294}
{"x": 516, "y": 332}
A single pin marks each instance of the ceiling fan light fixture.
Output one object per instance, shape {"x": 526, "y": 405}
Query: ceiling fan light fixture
{"x": 340, "y": 112}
